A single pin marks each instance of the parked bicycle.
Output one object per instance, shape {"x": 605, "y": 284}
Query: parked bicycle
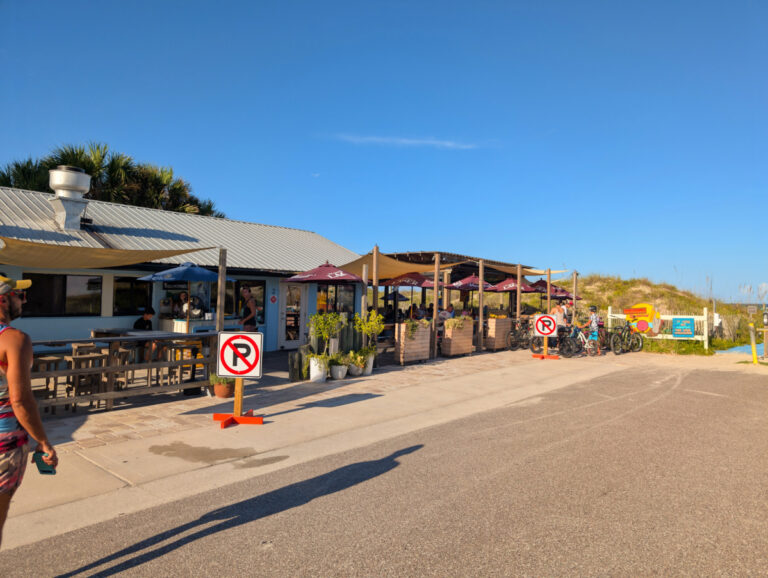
{"x": 562, "y": 343}
{"x": 520, "y": 335}
{"x": 626, "y": 339}
{"x": 584, "y": 342}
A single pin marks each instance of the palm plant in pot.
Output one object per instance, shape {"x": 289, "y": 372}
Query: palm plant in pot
{"x": 371, "y": 326}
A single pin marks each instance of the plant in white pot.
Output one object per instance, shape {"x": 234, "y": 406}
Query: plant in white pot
{"x": 371, "y": 326}
{"x": 327, "y": 326}
{"x": 338, "y": 364}
{"x": 317, "y": 363}
{"x": 357, "y": 362}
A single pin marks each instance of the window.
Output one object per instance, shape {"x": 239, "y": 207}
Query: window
{"x": 258, "y": 290}
{"x": 62, "y": 295}
{"x": 338, "y": 298}
{"x": 229, "y": 297}
{"x": 131, "y": 297}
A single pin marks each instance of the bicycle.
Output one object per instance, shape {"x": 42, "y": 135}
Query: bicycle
{"x": 519, "y": 336}
{"x": 625, "y": 339}
{"x": 584, "y": 343}
{"x": 562, "y": 343}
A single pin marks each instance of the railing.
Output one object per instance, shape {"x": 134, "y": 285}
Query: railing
{"x": 701, "y": 326}
{"x": 114, "y": 367}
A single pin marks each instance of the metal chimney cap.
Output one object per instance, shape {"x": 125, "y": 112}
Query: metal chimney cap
{"x": 70, "y": 168}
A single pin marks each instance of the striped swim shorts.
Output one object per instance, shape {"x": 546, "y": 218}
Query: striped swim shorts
{"x": 13, "y": 463}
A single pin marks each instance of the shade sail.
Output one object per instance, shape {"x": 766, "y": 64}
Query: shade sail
{"x": 45, "y": 256}
{"x": 390, "y": 268}
{"x": 184, "y": 272}
{"x": 326, "y": 273}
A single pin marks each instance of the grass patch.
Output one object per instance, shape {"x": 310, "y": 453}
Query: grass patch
{"x": 676, "y": 347}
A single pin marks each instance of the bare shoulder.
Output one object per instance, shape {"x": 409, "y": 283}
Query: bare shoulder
{"x": 13, "y": 338}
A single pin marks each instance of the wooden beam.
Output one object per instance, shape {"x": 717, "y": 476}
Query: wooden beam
{"x": 519, "y": 278}
{"x": 446, "y": 291}
{"x": 221, "y": 292}
{"x": 434, "y": 305}
{"x": 375, "y": 279}
{"x": 364, "y": 301}
{"x": 480, "y": 300}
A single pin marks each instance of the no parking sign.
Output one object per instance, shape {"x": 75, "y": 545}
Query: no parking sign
{"x": 544, "y": 326}
{"x": 239, "y": 354}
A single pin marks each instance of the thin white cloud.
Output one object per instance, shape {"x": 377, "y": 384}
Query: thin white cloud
{"x": 405, "y": 142}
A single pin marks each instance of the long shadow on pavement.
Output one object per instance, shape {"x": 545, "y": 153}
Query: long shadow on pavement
{"x": 249, "y": 510}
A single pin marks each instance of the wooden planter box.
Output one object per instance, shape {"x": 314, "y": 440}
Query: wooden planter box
{"x": 458, "y": 341}
{"x": 498, "y": 329}
{"x": 415, "y": 349}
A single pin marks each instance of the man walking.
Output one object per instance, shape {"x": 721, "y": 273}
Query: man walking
{"x": 18, "y": 410}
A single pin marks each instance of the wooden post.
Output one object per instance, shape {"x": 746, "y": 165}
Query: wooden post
{"x": 549, "y": 291}
{"x": 238, "y": 409}
{"x": 434, "y": 308}
{"x": 706, "y": 329}
{"x": 446, "y": 291}
{"x": 221, "y": 290}
{"x": 375, "y": 279}
{"x": 112, "y": 362}
{"x": 519, "y": 280}
{"x": 364, "y": 301}
{"x": 575, "y": 296}
{"x": 480, "y": 300}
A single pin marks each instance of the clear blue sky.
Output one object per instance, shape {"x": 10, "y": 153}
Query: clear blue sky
{"x": 607, "y": 137}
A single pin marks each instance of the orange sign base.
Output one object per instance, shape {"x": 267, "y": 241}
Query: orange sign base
{"x": 227, "y": 419}
{"x": 542, "y": 356}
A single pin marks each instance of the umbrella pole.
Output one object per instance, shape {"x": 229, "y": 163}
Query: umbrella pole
{"x": 189, "y": 302}
{"x": 411, "y": 303}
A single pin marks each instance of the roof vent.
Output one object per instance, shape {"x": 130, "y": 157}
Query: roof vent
{"x": 70, "y": 184}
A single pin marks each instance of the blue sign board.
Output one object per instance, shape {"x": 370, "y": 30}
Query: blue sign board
{"x": 683, "y": 327}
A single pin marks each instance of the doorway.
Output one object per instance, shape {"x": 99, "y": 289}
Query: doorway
{"x": 293, "y": 313}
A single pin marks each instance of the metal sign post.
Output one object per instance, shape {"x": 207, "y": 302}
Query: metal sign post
{"x": 239, "y": 356}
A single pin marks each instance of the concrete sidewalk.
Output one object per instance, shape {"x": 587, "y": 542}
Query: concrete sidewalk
{"x": 127, "y": 460}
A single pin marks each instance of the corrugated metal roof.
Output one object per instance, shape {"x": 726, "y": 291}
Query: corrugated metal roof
{"x": 28, "y": 215}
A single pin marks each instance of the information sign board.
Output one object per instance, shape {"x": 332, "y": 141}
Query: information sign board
{"x": 683, "y": 327}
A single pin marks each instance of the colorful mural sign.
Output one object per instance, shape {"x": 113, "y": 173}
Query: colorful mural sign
{"x": 683, "y": 327}
{"x": 644, "y": 318}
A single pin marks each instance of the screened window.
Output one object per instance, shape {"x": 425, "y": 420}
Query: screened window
{"x": 131, "y": 297}
{"x": 338, "y": 298}
{"x": 62, "y": 295}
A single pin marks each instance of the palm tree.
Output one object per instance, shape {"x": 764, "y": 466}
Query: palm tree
{"x": 115, "y": 177}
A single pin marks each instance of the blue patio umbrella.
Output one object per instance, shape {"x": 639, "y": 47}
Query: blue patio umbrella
{"x": 185, "y": 272}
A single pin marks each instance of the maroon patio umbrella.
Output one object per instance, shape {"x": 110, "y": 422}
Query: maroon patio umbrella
{"x": 471, "y": 283}
{"x": 410, "y": 280}
{"x": 510, "y": 284}
{"x": 325, "y": 274}
{"x": 556, "y": 292}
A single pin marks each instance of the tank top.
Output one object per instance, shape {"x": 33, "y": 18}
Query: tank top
{"x": 12, "y": 435}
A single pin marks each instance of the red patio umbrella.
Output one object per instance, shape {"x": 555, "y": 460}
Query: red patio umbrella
{"x": 510, "y": 284}
{"x": 325, "y": 274}
{"x": 410, "y": 280}
{"x": 471, "y": 283}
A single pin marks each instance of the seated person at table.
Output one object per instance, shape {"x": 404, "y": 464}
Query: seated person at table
{"x": 144, "y": 323}
{"x": 179, "y": 306}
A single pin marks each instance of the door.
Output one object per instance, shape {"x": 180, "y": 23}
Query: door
{"x": 292, "y": 315}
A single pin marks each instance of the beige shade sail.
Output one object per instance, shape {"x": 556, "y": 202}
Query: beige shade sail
{"x": 389, "y": 268}
{"x": 525, "y": 271}
{"x": 43, "y": 256}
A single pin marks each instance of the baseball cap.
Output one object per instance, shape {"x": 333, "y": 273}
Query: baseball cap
{"x": 7, "y": 284}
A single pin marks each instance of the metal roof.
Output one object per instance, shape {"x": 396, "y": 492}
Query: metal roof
{"x": 28, "y": 215}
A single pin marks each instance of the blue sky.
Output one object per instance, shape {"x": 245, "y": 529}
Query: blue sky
{"x": 607, "y": 137}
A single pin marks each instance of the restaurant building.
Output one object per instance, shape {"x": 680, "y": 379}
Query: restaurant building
{"x": 71, "y": 248}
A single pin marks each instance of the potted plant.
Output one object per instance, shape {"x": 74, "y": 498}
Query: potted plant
{"x": 371, "y": 326}
{"x": 223, "y": 386}
{"x": 357, "y": 362}
{"x": 327, "y": 326}
{"x": 458, "y": 336}
{"x": 338, "y": 365}
{"x": 499, "y": 326}
{"x": 318, "y": 366}
{"x": 412, "y": 339}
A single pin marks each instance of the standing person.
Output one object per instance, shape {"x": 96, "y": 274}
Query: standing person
{"x": 248, "y": 311}
{"x": 144, "y": 323}
{"x": 18, "y": 410}
{"x": 558, "y": 314}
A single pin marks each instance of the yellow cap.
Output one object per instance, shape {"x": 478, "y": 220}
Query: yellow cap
{"x": 7, "y": 284}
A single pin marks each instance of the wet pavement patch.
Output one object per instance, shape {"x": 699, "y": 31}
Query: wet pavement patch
{"x": 258, "y": 462}
{"x": 201, "y": 454}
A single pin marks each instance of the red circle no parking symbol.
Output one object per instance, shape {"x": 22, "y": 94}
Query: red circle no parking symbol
{"x": 239, "y": 355}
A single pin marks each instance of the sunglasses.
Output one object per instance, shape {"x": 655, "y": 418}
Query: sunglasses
{"x": 20, "y": 293}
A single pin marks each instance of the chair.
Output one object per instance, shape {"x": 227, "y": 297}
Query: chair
{"x": 88, "y": 383}
{"x": 45, "y": 364}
